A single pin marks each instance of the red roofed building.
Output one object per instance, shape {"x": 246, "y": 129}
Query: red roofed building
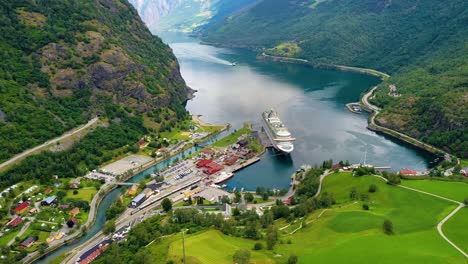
{"x": 336, "y": 166}
{"x": 21, "y": 208}
{"x": 48, "y": 190}
{"x": 287, "y": 202}
{"x": 409, "y": 172}
{"x": 230, "y": 160}
{"x": 212, "y": 168}
{"x": 203, "y": 163}
{"x": 207, "y": 151}
{"x": 142, "y": 144}
{"x": 15, "y": 222}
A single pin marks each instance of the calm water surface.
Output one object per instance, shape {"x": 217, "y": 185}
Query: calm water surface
{"x": 309, "y": 101}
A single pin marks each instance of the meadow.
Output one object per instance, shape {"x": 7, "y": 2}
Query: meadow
{"x": 457, "y": 191}
{"x": 346, "y": 233}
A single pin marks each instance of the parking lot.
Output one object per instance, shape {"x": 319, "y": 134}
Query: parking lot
{"x": 123, "y": 165}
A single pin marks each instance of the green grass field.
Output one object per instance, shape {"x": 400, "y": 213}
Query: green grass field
{"x": 346, "y": 233}
{"x": 232, "y": 138}
{"x": 212, "y": 247}
{"x": 85, "y": 194}
{"x": 457, "y": 191}
{"x": 456, "y": 230}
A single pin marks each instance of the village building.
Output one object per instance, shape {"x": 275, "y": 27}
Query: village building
{"x": 202, "y": 163}
{"x": 48, "y": 191}
{"x": 33, "y": 210}
{"x": 15, "y": 222}
{"x": 73, "y": 212}
{"x": 27, "y": 242}
{"x": 49, "y": 200}
{"x": 230, "y": 160}
{"x": 142, "y": 144}
{"x": 212, "y": 168}
{"x": 21, "y": 208}
{"x": 408, "y": 172}
{"x": 208, "y": 151}
{"x": 132, "y": 191}
{"x": 243, "y": 142}
{"x": 464, "y": 171}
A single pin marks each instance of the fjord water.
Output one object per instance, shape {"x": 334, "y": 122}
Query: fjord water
{"x": 311, "y": 102}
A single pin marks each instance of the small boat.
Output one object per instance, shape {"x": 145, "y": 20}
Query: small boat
{"x": 233, "y": 64}
{"x": 224, "y": 185}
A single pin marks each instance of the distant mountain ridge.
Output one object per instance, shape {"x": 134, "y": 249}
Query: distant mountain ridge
{"x": 185, "y": 15}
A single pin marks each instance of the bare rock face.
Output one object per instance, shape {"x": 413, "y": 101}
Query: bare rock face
{"x": 151, "y": 11}
{"x": 124, "y": 65}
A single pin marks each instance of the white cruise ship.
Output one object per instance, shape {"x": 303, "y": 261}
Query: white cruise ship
{"x": 278, "y": 134}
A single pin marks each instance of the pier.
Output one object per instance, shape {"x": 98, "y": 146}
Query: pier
{"x": 261, "y": 135}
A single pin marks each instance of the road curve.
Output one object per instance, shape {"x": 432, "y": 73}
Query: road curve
{"x": 441, "y": 223}
{"x": 48, "y": 143}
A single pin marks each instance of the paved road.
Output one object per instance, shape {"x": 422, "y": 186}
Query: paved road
{"x": 48, "y": 143}
{"x": 376, "y": 110}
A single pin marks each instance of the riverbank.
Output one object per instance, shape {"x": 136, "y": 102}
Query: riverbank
{"x": 381, "y": 75}
{"x": 372, "y": 125}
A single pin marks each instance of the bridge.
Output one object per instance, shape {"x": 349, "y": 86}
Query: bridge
{"x": 123, "y": 183}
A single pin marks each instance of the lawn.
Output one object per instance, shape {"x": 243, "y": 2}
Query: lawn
{"x": 212, "y": 247}
{"x": 457, "y": 191}
{"x": 455, "y": 229}
{"x": 348, "y": 234}
{"x": 233, "y": 137}
{"x": 85, "y": 194}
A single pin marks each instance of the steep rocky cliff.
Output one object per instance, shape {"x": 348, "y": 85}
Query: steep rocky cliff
{"x": 63, "y": 61}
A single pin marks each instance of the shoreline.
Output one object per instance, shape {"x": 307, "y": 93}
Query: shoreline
{"x": 374, "y": 111}
{"x": 383, "y": 76}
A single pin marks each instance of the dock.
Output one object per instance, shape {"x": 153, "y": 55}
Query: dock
{"x": 354, "y": 108}
{"x": 261, "y": 135}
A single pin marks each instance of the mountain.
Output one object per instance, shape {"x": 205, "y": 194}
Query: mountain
{"x": 152, "y": 11}
{"x": 64, "y": 61}
{"x": 185, "y": 15}
{"x": 422, "y": 44}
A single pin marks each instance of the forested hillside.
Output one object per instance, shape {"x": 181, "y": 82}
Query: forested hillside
{"x": 64, "y": 61}
{"x": 422, "y": 44}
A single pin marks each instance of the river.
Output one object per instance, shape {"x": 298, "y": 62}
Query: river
{"x": 309, "y": 101}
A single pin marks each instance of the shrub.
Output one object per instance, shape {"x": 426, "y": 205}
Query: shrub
{"x": 372, "y": 188}
{"x": 292, "y": 259}
{"x": 258, "y": 246}
{"x": 365, "y": 207}
{"x": 387, "y": 227}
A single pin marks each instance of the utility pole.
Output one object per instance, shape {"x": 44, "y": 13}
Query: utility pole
{"x": 183, "y": 245}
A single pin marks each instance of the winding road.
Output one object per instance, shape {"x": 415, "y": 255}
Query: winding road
{"x": 376, "y": 110}
{"x": 48, "y": 143}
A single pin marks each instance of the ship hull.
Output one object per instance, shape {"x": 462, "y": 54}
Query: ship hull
{"x": 218, "y": 181}
{"x": 276, "y": 144}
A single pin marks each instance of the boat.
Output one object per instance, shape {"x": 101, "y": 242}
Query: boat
{"x": 233, "y": 64}
{"x": 277, "y": 132}
{"x": 222, "y": 177}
